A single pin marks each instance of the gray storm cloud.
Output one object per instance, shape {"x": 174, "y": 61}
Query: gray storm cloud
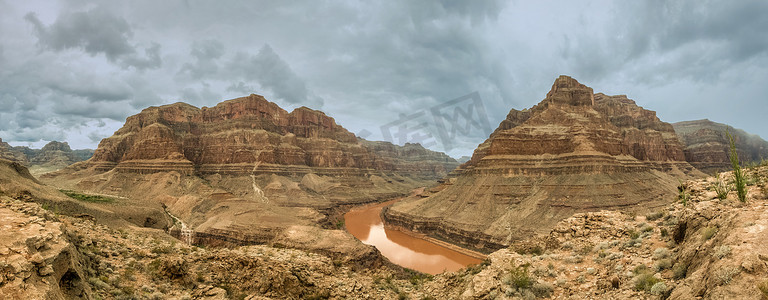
{"x": 69, "y": 66}
{"x": 95, "y": 31}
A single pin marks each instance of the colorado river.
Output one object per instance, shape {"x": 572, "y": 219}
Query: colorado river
{"x": 400, "y": 248}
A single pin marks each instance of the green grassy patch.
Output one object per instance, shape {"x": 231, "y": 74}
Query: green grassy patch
{"x": 87, "y": 198}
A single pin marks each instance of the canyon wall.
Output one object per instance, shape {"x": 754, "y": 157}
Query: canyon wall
{"x": 707, "y": 146}
{"x": 575, "y": 151}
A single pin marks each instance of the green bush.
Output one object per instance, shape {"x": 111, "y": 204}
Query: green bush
{"x": 739, "y": 179}
{"x": 645, "y": 281}
{"x": 519, "y": 278}
{"x": 87, "y": 198}
{"x": 683, "y": 195}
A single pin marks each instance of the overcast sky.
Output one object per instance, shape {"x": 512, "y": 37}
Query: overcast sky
{"x": 73, "y": 70}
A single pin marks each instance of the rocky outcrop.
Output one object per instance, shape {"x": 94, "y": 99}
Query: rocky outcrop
{"x": 38, "y": 260}
{"x": 707, "y": 146}
{"x": 575, "y": 151}
{"x": 232, "y": 136}
{"x": 8, "y": 152}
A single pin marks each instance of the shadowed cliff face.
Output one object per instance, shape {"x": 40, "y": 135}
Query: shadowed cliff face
{"x": 575, "y": 151}
{"x": 707, "y": 147}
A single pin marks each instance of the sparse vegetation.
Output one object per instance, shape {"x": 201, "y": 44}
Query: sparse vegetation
{"x": 87, "y": 198}
{"x": 724, "y": 275}
{"x": 739, "y": 179}
{"x": 654, "y": 216}
{"x": 519, "y": 278}
{"x": 679, "y": 271}
{"x": 721, "y": 189}
{"x": 722, "y": 251}
{"x": 708, "y": 233}
{"x": 645, "y": 281}
{"x": 683, "y": 195}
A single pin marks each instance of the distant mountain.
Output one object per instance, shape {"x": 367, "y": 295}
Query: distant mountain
{"x": 53, "y": 156}
{"x": 10, "y": 153}
{"x": 707, "y": 146}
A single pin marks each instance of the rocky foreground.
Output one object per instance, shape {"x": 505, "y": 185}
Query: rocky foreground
{"x": 702, "y": 247}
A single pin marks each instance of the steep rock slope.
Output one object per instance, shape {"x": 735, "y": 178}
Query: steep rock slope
{"x": 573, "y": 152}
{"x": 707, "y": 146}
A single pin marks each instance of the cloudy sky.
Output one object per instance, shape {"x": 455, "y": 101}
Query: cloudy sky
{"x": 73, "y": 70}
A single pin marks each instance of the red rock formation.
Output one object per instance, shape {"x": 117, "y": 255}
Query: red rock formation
{"x": 572, "y": 152}
{"x": 234, "y": 135}
{"x": 707, "y": 146}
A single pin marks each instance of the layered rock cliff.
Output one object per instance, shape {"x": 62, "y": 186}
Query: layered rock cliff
{"x": 53, "y": 156}
{"x": 235, "y": 135}
{"x": 707, "y": 146}
{"x": 575, "y": 151}
{"x": 248, "y": 172}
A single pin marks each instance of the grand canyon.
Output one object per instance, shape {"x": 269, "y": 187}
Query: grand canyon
{"x": 582, "y": 194}
{"x": 420, "y": 150}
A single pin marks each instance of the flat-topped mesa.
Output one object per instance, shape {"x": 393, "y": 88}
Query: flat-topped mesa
{"x": 572, "y": 152}
{"x": 236, "y": 134}
{"x": 568, "y": 91}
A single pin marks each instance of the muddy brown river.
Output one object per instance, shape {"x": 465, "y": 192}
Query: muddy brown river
{"x": 400, "y": 248}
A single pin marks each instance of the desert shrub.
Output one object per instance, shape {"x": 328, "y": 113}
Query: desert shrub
{"x": 663, "y": 264}
{"x": 664, "y": 232}
{"x": 645, "y": 281}
{"x": 654, "y": 216}
{"x": 639, "y": 269}
{"x": 739, "y": 180}
{"x": 722, "y": 251}
{"x": 543, "y": 290}
{"x": 683, "y": 195}
{"x": 679, "y": 271}
{"x": 708, "y": 233}
{"x": 724, "y": 275}
{"x": 519, "y": 278}
{"x": 660, "y": 288}
{"x": 721, "y": 189}
{"x": 661, "y": 253}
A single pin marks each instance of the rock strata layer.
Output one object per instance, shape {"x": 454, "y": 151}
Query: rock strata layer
{"x": 707, "y": 146}
{"x": 251, "y": 135}
{"x": 248, "y": 172}
{"x": 574, "y": 152}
